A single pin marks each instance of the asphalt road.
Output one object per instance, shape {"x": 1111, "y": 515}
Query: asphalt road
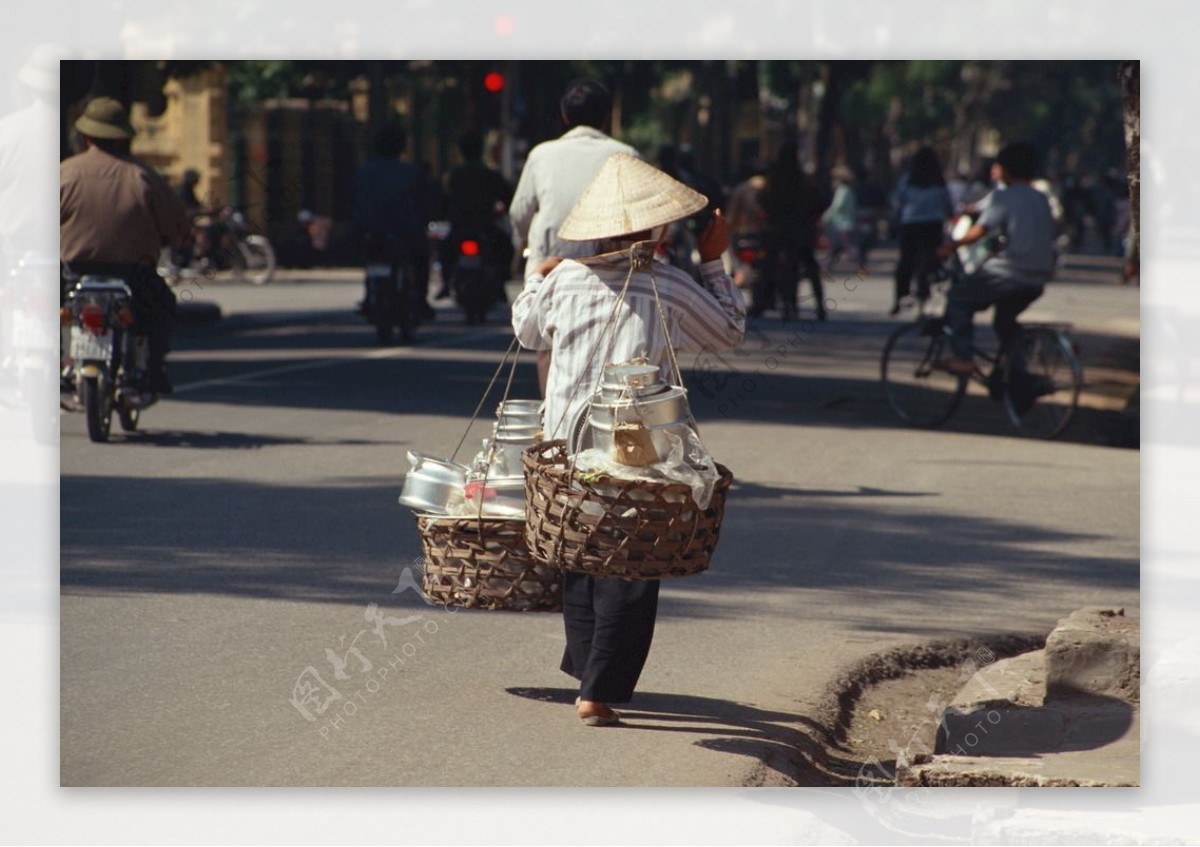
{"x": 247, "y": 542}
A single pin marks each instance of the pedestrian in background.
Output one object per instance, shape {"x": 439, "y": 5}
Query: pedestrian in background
{"x": 922, "y": 205}
{"x": 793, "y": 206}
{"x": 841, "y": 218}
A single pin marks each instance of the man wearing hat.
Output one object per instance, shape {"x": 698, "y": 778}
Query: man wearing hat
{"x": 115, "y": 215}
{"x": 590, "y": 312}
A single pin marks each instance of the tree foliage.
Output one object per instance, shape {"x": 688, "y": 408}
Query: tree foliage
{"x": 868, "y": 114}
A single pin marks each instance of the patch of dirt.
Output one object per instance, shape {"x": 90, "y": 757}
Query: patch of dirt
{"x": 898, "y": 717}
{"x": 888, "y": 706}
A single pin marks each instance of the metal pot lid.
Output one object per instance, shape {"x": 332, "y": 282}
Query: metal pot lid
{"x": 519, "y": 408}
{"x": 631, "y": 375}
{"x": 440, "y": 468}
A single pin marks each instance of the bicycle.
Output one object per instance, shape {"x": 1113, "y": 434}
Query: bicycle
{"x": 1037, "y": 376}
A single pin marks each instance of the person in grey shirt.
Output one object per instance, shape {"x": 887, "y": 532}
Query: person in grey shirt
{"x": 555, "y": 175}
{"x": 557, "y": 172}
{"x": 1016, "y": 276}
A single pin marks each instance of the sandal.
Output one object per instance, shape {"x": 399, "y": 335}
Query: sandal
{"x": 611, "y": 719}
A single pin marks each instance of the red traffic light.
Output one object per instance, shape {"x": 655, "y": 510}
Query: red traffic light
{"x": 494, "y": 81}
{"x": 469, "y": 248}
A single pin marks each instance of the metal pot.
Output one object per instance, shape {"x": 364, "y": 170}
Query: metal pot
{"x": 665, "y": 409}
{"x": 520, "y": 409}
{"x": 506, "y": 458}
{"x": 431, "y": 484}
{"x": 518, "y": 422}
{"x": 510, "y": 431}
{"x": 603, "y": 439}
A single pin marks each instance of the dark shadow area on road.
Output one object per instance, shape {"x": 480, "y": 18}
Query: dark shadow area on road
{"x": 754, "y": 489}
{"x": 396, "y": 385}
{"x": 202, "y": 440}
{"x": 335, "y": 541}
{"x": 433, "y": 385}
{"x": 749, "y": 384}
{"x": 336, "y": 330}
{"x": 771, "y": 738}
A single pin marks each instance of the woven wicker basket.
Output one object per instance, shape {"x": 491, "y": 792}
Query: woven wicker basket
{"x": 484, "y": 564}
{"x": 616, "y": 528}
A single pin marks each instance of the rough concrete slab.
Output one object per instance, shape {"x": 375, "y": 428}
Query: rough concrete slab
{"x": 1007, "y": 726}
{"x": 1094, "y": 652}
{"x": 1019, "y": 680}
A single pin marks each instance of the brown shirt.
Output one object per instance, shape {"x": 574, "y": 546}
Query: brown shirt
{"x": 116, "y": 210}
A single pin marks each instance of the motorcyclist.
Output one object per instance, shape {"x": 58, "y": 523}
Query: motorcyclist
{"x": 387, "y": 198}
{"x": 477, "y": 203}
{"x": 115, "y": 216}
{"x": 205, "y": 238}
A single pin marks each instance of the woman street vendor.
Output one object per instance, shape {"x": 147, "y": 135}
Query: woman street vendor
{"x": 603, "y": 309}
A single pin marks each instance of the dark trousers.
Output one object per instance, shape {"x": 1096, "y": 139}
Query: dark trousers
{"x": 975, "y": 293}
{"x": 784, "y": 265}
{"x": 918, "y": 255}
{"x": 609, "y": 625}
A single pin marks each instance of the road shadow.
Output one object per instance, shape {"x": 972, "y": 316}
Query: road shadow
{"x": 346, "y": 541}
{"x": 752, "y": 383}
{"x": 770, "y": 738}
{"x": 755, "y": 489}
{"x": 217, "y": 440}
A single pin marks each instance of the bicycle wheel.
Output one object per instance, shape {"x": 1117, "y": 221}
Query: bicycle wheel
{"x": 254, "y": 260}
{"x": 918, "y": 392}
{"x": 1042, "y": 378}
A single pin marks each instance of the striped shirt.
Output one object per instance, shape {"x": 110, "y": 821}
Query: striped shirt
{"x": 567, "y": 313}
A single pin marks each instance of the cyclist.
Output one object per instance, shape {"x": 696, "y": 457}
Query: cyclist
{"x": 1016, "y": 276}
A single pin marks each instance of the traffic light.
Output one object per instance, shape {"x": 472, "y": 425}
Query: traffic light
{"x": 494, "y": 82}
{"x": 491, "y": 99}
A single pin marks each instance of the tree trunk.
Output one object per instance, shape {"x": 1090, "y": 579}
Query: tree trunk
{"x": 1129, "y": 76}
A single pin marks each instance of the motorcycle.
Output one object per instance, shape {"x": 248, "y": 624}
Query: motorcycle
{"x": 225, "y": 243}
{"x": 478, "y": 270}
{"x": 29, "y": 376}
{"x": 748, "y": 256}
{"x": 390, "y": 303}
{"x": 109, "y": 357}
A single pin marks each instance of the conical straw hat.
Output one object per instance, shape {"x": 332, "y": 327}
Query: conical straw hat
{"x": 628, "y": 196}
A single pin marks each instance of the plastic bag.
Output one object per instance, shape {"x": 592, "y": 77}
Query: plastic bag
{"x": 687, "y": 462}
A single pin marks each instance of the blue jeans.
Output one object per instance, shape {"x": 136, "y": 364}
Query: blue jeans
{"x": 977, "y": 292}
